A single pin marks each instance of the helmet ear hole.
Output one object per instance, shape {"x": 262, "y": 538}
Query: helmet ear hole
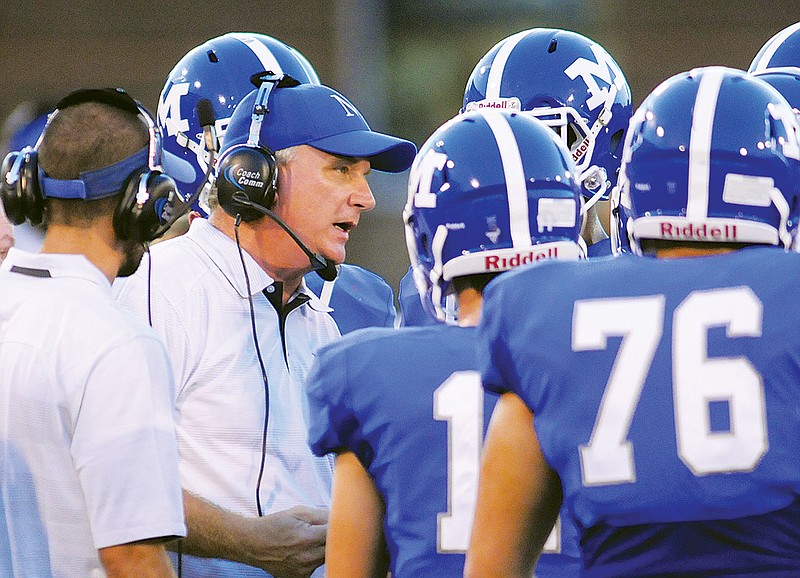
{"x": 423, "y": 240}
{"x": 573, "y": 136}
{"x": 615, "y": 141}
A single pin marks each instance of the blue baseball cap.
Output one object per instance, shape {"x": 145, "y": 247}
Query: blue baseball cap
{"x": 318, "y": 116}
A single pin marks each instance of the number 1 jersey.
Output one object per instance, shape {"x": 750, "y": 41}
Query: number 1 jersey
{"x": 410, "y": 405}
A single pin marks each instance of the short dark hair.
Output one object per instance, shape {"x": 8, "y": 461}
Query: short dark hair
{"x": 86, "y": 137}
{"x": 477, "y": 282}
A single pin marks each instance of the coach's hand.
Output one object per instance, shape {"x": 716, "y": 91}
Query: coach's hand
{"x": 292, "y": 542}
{"x": 287, "y": 544}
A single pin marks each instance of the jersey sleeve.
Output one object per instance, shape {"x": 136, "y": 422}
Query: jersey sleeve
{"x": 388, "y": 306}
{"x": 498, "y": 373}
{"x": 124, "y": 446}
{"x": 333, "y": 425}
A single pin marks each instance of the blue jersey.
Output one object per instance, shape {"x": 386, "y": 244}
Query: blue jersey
{"x": 679, "y": 380}
{"x": 412, "y": 312}
{"x": 600, "y": 249}
{"x": 359, "y": 298}
{"x": 409, "y": 404}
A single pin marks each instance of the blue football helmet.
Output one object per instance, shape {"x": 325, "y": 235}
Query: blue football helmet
{"x": 570, "y": 83}
{"x": 780, "y": 51}
{"x": 223, "y": 70}
{"x": 712, "y": 155}
{"x": 488, "y": 191}
{"x": 786, "y": 80}
{"x": 28, "y": 128}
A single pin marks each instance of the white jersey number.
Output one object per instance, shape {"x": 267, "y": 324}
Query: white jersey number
{"x": 459, "y": 402}
{"x": 698, "y": 381}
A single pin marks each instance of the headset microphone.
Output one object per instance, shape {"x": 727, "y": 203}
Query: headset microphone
{"x": 324, "y": 268}
{"x": 205, "y": 114}
{"x": 206, "y": 118}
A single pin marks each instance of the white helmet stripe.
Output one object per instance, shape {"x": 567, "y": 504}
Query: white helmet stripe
{"x": 267, "y": 59}
{"x": 772, "y": 47}
{"x": 499, "y": 64}
{"x": 705, "y": 106}
{"x": 516, "y": 188}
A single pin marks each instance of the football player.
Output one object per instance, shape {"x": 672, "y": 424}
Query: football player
{"x": 223, "y": 70}
{"x": 572, "y": 84}
{"x": 676, "y": 372}
{"x": 403, "y": 410}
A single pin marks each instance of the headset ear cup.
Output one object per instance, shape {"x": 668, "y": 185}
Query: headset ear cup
{"x": 19, "y": 190}
{"x": 29, "y": 187}
{"x": 148, "y": 207}
{"x": 246, "y": 170}
{"x": 9, "y": 192}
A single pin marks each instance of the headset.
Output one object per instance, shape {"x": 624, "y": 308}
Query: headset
{"x": 247, "y": 175}
{"x": 151, "y": 201}
{"x": 252, "y": 160}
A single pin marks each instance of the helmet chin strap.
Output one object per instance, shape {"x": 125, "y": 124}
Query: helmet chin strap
{"x": 780, "y": 203}
{"x": 584, "y": 248}
{"x": 437, "y": 245}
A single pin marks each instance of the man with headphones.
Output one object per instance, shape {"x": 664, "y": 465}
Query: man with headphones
{"x": 229, "y": 299}
{"x": 88, "y": 456}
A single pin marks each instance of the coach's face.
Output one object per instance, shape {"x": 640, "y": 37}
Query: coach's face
{"x": 321, "y": 197}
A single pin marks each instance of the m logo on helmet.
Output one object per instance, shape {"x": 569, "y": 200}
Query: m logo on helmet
{"x": 787, "y": 117}
{"x": 421, "y": 178}
{"x": 603, "y": 68}
{"x": 169, "y": 113}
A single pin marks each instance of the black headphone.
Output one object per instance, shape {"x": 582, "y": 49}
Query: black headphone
{"x": 151, "y": 201}
{"x": 249, "y": 171}
{"x": 247, "y": 175}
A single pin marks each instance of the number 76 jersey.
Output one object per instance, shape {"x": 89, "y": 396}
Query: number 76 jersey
{"x": 679, "y": 380}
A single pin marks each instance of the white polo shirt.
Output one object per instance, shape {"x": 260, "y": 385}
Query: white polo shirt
{"x": 198, "y": 305}
{"x": 88, "y": 457}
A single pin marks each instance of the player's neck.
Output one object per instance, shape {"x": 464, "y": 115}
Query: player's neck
{"x": 592, "y": 230}
{"x": 96, "y": 243}
{"x": 469, "y": 307}
{"x": 682, "y": 252}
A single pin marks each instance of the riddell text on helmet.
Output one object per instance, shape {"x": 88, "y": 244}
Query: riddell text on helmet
{"x": 692, "y": 232}
{"x": 497, "y": 263}
{"x": 581, "y": 149}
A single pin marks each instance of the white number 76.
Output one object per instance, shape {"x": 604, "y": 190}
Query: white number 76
{"x": 697, "y": 380}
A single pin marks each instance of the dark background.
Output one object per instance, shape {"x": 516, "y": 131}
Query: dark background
{"x": 403, "y": 63}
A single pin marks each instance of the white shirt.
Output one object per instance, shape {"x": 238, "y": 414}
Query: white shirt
{"x": 88, "y": 457}
{"x": 199, "y": 305}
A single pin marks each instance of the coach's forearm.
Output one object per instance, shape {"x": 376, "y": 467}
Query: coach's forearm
{"x": 212, "y": 532}
{"x": 289, "y": 543}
